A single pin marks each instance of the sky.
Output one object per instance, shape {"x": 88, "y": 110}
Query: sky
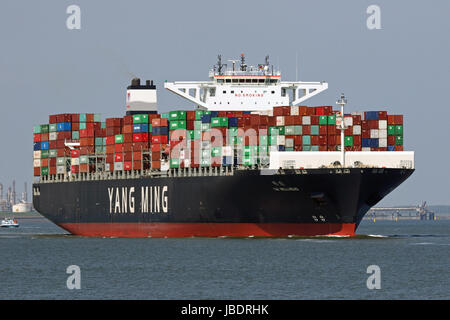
{"x": 403, "y": 68}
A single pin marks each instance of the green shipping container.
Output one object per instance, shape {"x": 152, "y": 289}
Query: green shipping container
{"x": 314, "y": 130}
{"x": 232, "y": 132}
{"x": 99, "y": 141}
{"x": 82, "y": 118}
{"x": 323, "y": 120}
{"x": 398, "y": 130}
{"x": 44, "y": 154}
{"x": 263, "y": 140}
{"x": 219, "y": 122}
{"x": 44, "y": 171}
{"x": 273, "y": 131}
{"x": 97, "y": 117}
{"x": 199, "y": 114}
{"x": 391, "y": 130}
{"x": 306, "y": 148}
{"x": 306, "y": 140}
{"x": 332, "y": 119}
{"x": 177, "y": 115}
{"x": 281, "y": 130}
{"x": 314, "y": 148}
{"x": 348, "y": 141}
{"x": 60, "y": 161}
{"x": 52, "y": 153}
{"x": 398, "y": 141}
{"x": 174, "y": 163}
{"x": 118, "y": 138}
{"x": 75, "y": 135}
{"x": 150, "y": 128}
{"x": 197, "y": 125}
{"x": 44, "y": 128}
{"x": 103, "y": 125}
{"x": 53, "y": 127}
{"x": 140, "y": 118}
{"x": 82, "y": 125}
{"x": 165, "y": 115}
{"x": 297, "y": 130}
{"x": 216, "y": 151}
{"x": 289, "y": 130}
{"x": 37, "y": 129}
{"x": 177, "y": 124}
{"x": 206, "y": 126}
{"x": 84, "y": 159}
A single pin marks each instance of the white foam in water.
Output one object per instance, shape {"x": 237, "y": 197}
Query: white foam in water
{"x": 377, "y": 236}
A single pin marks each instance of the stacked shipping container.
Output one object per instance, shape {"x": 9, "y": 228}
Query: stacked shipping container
{"x": 204, "y": 138}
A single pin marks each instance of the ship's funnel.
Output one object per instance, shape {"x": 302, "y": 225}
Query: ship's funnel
{"x": 141, "y": 98}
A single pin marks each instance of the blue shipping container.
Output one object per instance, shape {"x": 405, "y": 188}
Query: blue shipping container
{"x": 44, "y": 145}
{"x": 371, "y": 115}
{"x": 232, "y": 122}
{"x": 206, "y": 118}
{"x": 157, "y": 131}
{"x": 365, "y": 142}
{"x": 391, "y": 148}
{"x": 37, "y": 146}
{"x": 374, "y": 143}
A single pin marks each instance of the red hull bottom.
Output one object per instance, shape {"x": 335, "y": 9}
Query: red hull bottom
{"x": 208, "y": 229}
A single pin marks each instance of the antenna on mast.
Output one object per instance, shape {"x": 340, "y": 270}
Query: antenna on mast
{"x": 219, "y": 64}
{"x": 342, "y": 102}
{"x": 243, "y": 65}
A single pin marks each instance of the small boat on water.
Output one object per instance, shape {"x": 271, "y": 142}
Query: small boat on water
{"x": 9, "y": 223}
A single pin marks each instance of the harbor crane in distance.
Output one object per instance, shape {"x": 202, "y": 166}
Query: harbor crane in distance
{"x": 420, "y": 212}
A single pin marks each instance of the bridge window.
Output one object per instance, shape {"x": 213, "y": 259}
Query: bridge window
{"x": 261, "y": 80}
{"x": 235, "y": 80}
{"x": 227, "y": 80}
{"x": 224, "y": 91}
{"x": 248, "y": 80}
{"x": 241, "y": 80}
{"x": 254, "y": 80}
{"x": 219, "y": 80}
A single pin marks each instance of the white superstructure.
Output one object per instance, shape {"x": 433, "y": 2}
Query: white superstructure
{"x": 245, "y": 88}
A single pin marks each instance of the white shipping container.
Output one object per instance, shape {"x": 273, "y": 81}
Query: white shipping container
{"x": 374, "y": 133}
{"x": 294, "y": 111}
{"x": 37, "y": 154}
{"x": 382, "y": 124}
{"x": 306, "y": 120}
{"x": 75, "y": 161}
{"x": 227, "y": 151}
{"x": 382, "y": 142}
{"x": 107, "y": 167}
{"x": 60, "y": 169}
{"x": 52, "y": 136}
{"x": 36, "y": 163}
{"x": 289, "y": 143}
{"x": 273, "y": 149}
{"x": 280, "y": 120}
{"x": 382, "y": 134}
{"x": 118, "y": 166}
{"x": 356, "y": 130}
{"x": 348, "y": 121}
{"x": 187, "y": 162}
{"x": 281, "y": 140}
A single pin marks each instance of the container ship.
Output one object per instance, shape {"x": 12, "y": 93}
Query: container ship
{"x": 249, "y": 160}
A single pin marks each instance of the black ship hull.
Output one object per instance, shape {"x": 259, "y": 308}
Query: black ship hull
{"x": 248, "y": 203}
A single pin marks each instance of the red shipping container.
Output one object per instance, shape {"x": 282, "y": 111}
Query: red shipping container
{"x": 85, "y": 133}
{"x": 365, "y": 133}
{"x": 128, "y": 128}
{"x": 373, "y": 124}
{"x": 52, "y": 170}
{"x": 37, "y": 137}
{"x": 399, "y": 148}
{"x": 319, "y": 111}
{"x": 127, "y": 165}
{"x": 306, "y": 130}
{"x": 398, "y": 119}
{"x": 128, "y": 137}
{"x": 391, "y": 140}
{"x": 156, "y": 147}
{"x": 127, "y": 120}
{"x": 314, "y": 120}
{"x": 118, "y": 157}
{"x": 75, "y": 169}
{"x": 118, "y": 147}
{"x": 391, "y": 119}
{"x": 84, "y": 167}
{"x": 110, "y": 149}
{"x": 44, "y": 162}
{"x": 356, "y": 140}
{"x": 160, "y": 139}
{"x": 322, "y": 140}
{"x": 75, "y": 153}
{"x": 298, "y": 140}
{"x": 127, "y": 156}
{"x": 75, "y": 118}
{"x": 52, "y": 119}
{"x": 110, "y": 140}
{"x": 331, "y": 140}
{"x": 365, "y": 124}
{"x": 298, "y": 148}
{"x": 264, "y": 120}
{"x": 52, "y": 144}
{"x": 323, "y": 148}
{"x": 109, "y": 157}
{"x": 356, "y": 119}
{"x": 331, "y": 148}
{"x": 75, "y": 126}
{"x": 190, "y": 116}
{"x": 140, "y": 137}
{"x": 314, "y": 140}
{"x": 382, "y": 115}
{"x": 156, "y": 164}
{"x": 348, "y": 131}
{"x": 137, "y": 165}
{"x": 303, "y": 110}
{"x": 323, "y": 130}
{"x": 190, "y": 125}
{"x": 331, "y": 129}
{"x": 89, "y": 117}
{"x": 52, "y": 162}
